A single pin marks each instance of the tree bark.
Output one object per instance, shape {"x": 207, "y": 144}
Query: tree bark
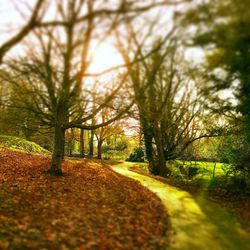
{"x": 91, "y": 144}
{"x": 81, "y": 146}
{"x": 99, "y": 149}
{"x": 161, "y": 162}
{"x": 58, "y": 151}
{"x": 148, "y": 141}
{"x": 71, "y": 142}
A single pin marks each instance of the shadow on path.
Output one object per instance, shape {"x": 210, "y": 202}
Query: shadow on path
{"x": 196, "y": 223}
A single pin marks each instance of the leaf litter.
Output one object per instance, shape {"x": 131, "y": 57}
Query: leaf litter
{"x": 90, "y": 207}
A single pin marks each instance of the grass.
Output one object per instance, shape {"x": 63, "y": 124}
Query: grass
{"x": 214, "y": 177}
{"x": 205, "y": 169}
{"x": 205, "y": 178}
{"x": 21, "y": 145}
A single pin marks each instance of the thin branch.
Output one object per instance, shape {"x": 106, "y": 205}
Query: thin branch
{"x": 32, "y": 23}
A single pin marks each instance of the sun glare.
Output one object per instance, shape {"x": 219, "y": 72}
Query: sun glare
{"x": 104, "y": 57}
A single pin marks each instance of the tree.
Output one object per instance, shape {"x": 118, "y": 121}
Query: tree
{"x": 33, "y": 22}
{"x": 171, "y": 115}
{"x": 143, "y": 75}
{"x": 71, "y": 140}
{"x": 104, "y": 133}
{"x": 52, "y": 73}
{"x": 222, "y": 29}
{"x": 81, "y": 143}
{"x": 20, "y": 122}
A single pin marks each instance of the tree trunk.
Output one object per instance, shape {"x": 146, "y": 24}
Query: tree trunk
{"x": 81, "y": 146}
{"x": 71, "y": 142}
{"x": 58, "y": 151}
{"x": 148, "y": 141}
{"x": 99, "y": 149}
{"x": 91, "y": 144}
{"x": 140, "y": 138}
{"x": 161, "y": 163}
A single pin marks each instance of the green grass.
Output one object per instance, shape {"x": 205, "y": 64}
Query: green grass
{"x": 22, "y": 145}
{"x": 205, "y": 179}
{"x": 206, "y": 169}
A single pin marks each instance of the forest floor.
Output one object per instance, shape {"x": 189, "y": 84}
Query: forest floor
{"x": 197, "y": 223}
{"x": 90, "y": 207}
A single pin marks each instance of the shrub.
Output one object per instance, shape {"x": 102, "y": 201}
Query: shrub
{"x": 237, "y": 185}
{"x": 137, "y": 155}
{"x": 119, "y": 146}
{"x": 192, "y": 171}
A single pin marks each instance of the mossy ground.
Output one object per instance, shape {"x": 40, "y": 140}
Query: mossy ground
{"x": 21, "y": 145}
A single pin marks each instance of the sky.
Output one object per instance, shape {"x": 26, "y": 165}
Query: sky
{"x": 10, "y": 19}
{"x": 105, "y": 56}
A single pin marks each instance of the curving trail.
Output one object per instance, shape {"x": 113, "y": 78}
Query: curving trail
{"x": 196, "y": 223}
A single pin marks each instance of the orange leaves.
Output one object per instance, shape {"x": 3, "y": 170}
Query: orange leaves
{"x": 90, "y": 207}
{"x": 4, "y": 245}
{"x": 51, "y": 236}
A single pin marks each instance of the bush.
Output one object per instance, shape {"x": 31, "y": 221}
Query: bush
{"x": 121, "y": 146}
{"x": 192, "y": 172}
{"x": 236, "y": 151}
{"x": 113, "y": 155}
{"x": 188, "y": 172}
{"x": 137, "y": 155}
{"x": 230, "y": 185}
{"x": 237, "y": 185}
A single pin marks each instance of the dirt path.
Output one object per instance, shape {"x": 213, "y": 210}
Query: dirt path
{"x": 197, "y": 223}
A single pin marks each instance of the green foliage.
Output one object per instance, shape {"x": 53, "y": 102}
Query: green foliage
{"x": 205, "y": 150}
{"x": 121, "y": 145}
{"x": 192, "y": 171}
{"x": 115, "y": 151}
{"x": 19, "y": 144}
{"x": 228, "y": 177}
{"x": 222, "y": 27}
{"x": 198, "y": 169}
{"x": 229, "y": 149}
{"x": 235, "y": 151}
{"x": 235, "y": 185}
{"x": 137, "y": 155}
{"x": 200, "y": 174}
{"x": 118, "y": 146}
{"x": 114, "y": 155}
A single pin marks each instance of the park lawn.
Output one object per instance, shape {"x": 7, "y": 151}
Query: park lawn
{"x": 206, "y": 169}
{"x": 90, "y": 207}
{"x": 206, "y": 178}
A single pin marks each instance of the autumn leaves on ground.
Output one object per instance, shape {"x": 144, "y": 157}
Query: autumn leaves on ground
{"x": 90, "y": 207}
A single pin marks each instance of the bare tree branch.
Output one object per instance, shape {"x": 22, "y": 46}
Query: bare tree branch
{"x": 32, "y": 23}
